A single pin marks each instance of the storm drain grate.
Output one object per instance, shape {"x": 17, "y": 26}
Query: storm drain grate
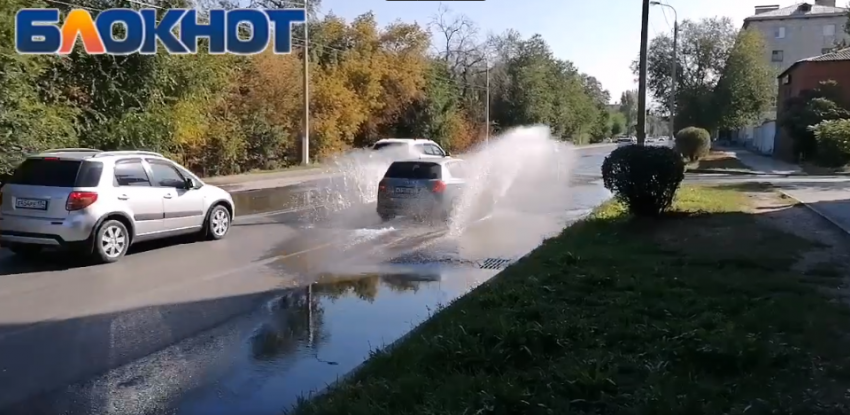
{"x": 495, "y": 263}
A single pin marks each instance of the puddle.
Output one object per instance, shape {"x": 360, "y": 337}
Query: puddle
{"x": 313, "y": 336}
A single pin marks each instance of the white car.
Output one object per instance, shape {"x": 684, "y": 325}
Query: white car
{"x": 409, "y": 148}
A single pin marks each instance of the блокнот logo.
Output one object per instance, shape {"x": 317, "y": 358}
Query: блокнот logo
{"x": 37, "y": 31}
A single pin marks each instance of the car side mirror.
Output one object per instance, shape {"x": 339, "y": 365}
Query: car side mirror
{"x": 189, "y": 183}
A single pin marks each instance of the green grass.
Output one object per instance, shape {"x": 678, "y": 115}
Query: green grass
{"x": 695, "y": 313}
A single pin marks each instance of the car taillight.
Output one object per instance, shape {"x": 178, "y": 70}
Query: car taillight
{"x": 439, "y": 187}
{"x": 80, "y": 200}
{"x": 382, "y": 187}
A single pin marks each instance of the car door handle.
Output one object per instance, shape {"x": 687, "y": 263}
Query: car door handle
{"x": 123, "y": 197}
{"x": 168, "y": 196}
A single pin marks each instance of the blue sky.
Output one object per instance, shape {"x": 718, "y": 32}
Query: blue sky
{"x": 601, "y": 37}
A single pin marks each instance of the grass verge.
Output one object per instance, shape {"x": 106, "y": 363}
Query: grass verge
{"x": 694, "y": 313}
{"x": 720, "y": 160}
{"x": 264, "y": 174}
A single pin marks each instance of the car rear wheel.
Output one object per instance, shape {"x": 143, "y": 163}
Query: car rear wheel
{"x": 111, "y": 242}
{"x": 386, "y": 217}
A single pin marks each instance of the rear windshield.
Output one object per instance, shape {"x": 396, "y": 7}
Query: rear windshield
{"x": 414, "y": 170}
{"x": 381, "y": 146}
{"x": 57, "y": 173}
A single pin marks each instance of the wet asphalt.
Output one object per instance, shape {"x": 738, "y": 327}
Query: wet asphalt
{"x": 286, "y": 304}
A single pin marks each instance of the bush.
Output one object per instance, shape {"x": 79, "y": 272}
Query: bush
{"x": 644, "y": 178}
{"x": 693, "y": 143}
{"x": 833, "y": 142}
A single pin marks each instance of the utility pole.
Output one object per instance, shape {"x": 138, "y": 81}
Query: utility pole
{"x": 644, "y": 39}
{"x": 674, "y": 81}
{"x": 305, "y": 139}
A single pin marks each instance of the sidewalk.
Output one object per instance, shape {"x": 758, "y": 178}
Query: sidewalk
{"x": 830, "y": 200}
{"x": 762, "y": 164}
{"x": 266, "y": 180}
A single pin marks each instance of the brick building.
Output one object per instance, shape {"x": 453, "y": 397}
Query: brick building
{"x": 804, "y": 75}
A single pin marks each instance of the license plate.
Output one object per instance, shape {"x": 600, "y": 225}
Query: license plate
{"x": 36, "y": 204}
{"x": 405, "y": 191}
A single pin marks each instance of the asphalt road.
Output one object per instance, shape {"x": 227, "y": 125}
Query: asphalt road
{"x": 62, "y": 324}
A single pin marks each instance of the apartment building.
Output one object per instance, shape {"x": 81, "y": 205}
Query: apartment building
{"x": 801, "y": 31}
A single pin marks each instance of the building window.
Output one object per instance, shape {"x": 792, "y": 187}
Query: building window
{"x": 779, "y": 32}
{"x": 777, "y": 56}
{"x": 829, "y": 30}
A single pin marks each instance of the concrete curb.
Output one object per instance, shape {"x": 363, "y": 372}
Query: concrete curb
{"x": 729, "y": 172}
{"x": 818, "y": 212}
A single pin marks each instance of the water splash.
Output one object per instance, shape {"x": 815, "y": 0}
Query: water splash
{"x": 501, "y": 173}
{"x": 355, "y": 176}
{"x": 523, "y": 167}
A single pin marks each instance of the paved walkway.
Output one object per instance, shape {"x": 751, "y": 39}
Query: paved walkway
{"x": 829, "y": 199}
{"x": 762, "y": 164}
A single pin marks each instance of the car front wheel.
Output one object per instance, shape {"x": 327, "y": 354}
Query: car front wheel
{"x": 218, "y": 223}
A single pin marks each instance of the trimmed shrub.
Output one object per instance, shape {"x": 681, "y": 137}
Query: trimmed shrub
{"x": 644, "y": 178}
{"x": 693, "y": 143}
{"x": 833, "y": 142}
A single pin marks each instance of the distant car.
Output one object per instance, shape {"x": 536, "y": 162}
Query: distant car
{"x": 421, "y": 188}
{"x": 625, "y": 141}
{"x": 101, "y": 202}
{"x": 409, "y": 148}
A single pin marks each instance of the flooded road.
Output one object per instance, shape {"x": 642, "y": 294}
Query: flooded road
{"x": 285, "y": 305}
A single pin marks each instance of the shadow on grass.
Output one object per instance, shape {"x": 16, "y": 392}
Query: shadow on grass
{"x": 694, "y": 312}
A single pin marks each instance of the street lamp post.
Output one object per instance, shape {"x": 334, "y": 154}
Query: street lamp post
{"x": 305, "y": 139}
{"x": 487, "y": 106}
{"x": 675, "y": 66}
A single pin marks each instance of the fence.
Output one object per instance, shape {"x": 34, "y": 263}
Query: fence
{"x": 759, "y": 139}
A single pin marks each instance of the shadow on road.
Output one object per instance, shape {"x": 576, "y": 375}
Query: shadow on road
{"x": 55, "y": 367}
{"x": 41, "y": 357}
{"x": 49, "y": 260}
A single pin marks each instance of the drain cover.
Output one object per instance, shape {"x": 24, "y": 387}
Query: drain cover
{"x": 495, "y": 263}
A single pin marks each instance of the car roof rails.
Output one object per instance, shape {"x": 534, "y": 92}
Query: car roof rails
{"x": 129, "y": 153}
{"x": 71, "y": 150}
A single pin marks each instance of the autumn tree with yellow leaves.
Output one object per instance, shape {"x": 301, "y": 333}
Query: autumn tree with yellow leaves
{"x": 230, "y": 114}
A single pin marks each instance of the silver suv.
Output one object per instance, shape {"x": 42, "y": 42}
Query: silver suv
{"x": 101, "y": 202}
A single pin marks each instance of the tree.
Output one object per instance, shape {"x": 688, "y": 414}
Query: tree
{"x": 810, "y": 108}
{"x": 628, "y": 107}
{"x": 228, "y": 114}
{"x": 618, "y": 124}
{"x": 747, "y": 87}
{"x": 704, "y": 47}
